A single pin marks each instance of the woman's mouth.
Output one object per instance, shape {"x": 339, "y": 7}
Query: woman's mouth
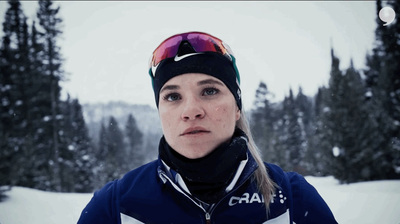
{"x": 194, "y": 130}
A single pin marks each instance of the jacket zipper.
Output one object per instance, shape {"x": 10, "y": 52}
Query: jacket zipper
{"x": 181, "y": 191}
{"x": 208, "y": 218}
{"x": 207, "y": 214}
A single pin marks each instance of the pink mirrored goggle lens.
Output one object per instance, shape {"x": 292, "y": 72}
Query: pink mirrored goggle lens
{"x": 201, "y": 42}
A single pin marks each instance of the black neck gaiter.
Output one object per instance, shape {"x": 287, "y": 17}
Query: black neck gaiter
{"x": 208, "y": 177}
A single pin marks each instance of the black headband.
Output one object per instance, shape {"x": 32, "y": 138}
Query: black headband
{"x": 209, "y": 63}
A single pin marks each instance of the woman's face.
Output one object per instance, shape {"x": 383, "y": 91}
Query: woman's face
{"x": 198, "y": 113}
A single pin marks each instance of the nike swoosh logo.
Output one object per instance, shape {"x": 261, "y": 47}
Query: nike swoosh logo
{"x": 178, "y": 58}
{"x": 154, "y": 69}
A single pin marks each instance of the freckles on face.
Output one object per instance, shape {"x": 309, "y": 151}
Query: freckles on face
{"x": 220, "y": 112}
{"x": 198, "y": 113}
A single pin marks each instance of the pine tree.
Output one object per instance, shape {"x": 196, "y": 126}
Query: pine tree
{"x": 40, "y": 114}
{"x": 78, "y": 156}
{"x": 356, "y": 129}
{"x": 85, "y": 155}
{"x": 383, "y": 80}
{"x": 50, "y": 23}
{"x": 306, "y": 121}
{"x": 66, "y": 149}
{"x": 7, "y": 88}
{"x": 6, "y": 83}
{"x": 258, "y": 122}
{"x": 12, "y": 66}
{"x": 389, "y": 82}
{"x": 262, "y": 123}
{"x": 101, "y": 156}
{"x": 135, "y": 150}
{"x": 24, "y": 131}
{"x": 305, "y": 109}
{"x": 331, "y": 120}
{"x": 112, "y": 149}
{"x": 44, "y": 141}
{"x": 318, "y": 144}
{"x": 348, "y": 126}
{"x": 295, "y": 135}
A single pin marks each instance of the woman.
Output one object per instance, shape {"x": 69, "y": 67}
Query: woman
{"x": 209, "y": 169}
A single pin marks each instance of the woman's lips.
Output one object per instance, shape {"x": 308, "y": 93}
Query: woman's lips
{"x": 194, "y": 130}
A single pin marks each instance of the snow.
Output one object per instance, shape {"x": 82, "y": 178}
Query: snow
{"x": 366, "y": 202}
{"x": 26, "y": 205}
{"x": 336, "y": 151}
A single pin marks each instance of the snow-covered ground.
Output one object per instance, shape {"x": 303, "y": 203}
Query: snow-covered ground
{"x": 365, "y": 203}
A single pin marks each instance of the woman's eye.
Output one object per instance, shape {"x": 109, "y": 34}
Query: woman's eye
{"x": 210, "y": 91}
{"x": 172, "y": 97}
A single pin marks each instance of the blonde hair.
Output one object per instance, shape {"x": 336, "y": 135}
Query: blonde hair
{"x": 266, "y": 186}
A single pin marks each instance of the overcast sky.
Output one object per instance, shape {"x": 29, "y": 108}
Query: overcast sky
{"x": 107, "y": 45}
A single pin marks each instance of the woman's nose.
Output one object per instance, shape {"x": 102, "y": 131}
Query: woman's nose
{"x": 192, "y": 110}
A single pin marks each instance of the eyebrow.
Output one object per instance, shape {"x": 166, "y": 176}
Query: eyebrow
{"x": 210, "y": 81}
{"x": 200, "y": 83}
{"x": 169, "y": 87}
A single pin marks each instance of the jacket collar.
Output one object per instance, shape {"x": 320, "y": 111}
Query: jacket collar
{"x": 244, "y": 171}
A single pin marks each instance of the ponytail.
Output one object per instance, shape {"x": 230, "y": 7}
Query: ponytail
{"x": 265, "y": 184}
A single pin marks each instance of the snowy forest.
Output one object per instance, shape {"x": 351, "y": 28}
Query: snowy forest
{"x": 350, "y": 129}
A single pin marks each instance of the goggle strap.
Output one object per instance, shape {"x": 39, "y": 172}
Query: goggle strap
{"x": 235, "y": 67}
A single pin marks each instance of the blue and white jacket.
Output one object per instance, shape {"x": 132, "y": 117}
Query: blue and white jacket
{"x": 154, "y": 193}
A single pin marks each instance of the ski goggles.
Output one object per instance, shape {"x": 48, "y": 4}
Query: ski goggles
{"x": 201, "y": 42}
